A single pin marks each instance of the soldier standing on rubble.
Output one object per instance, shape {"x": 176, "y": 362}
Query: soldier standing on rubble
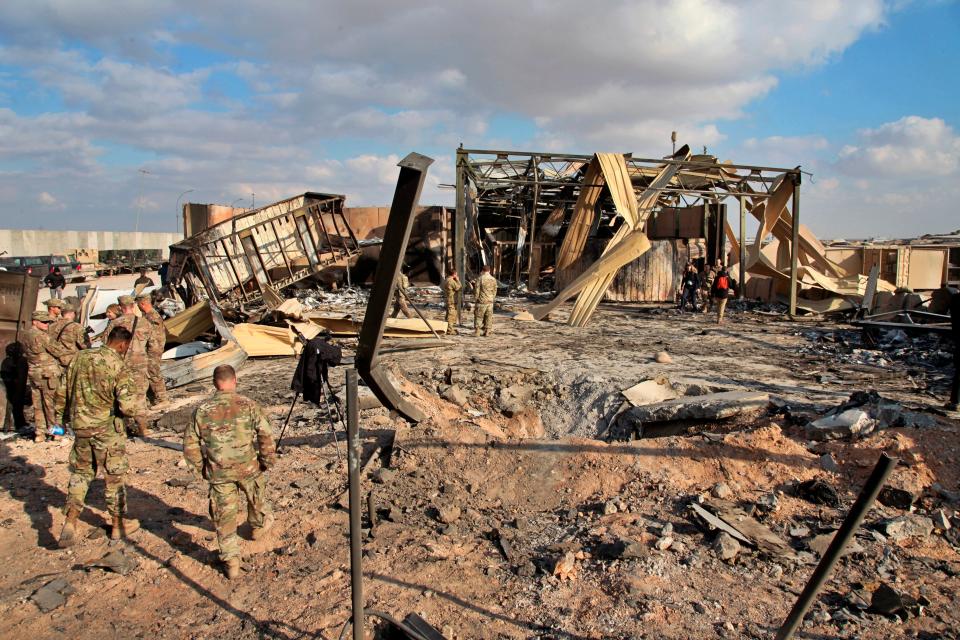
{"x": 452, "y": 286}
{"x": 43, "y": 374}
{"x": 399, "y": 296}
{"x": 67, "y": 338}
{"x": 101, "y": 392}
{"x": 720, "y": 291}
{"x": 485, "y": 290}
{"x": 706, "y": 286}
{"x": 230, "y": 443}
{"x": 154, "y": 348}
{"x": 143, "y": 337}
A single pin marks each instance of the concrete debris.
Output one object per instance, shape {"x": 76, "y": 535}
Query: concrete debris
{"x": 862, "y": 414}
{"x": 721, "y": 490}
{"x": 818, "y": 544}
{"x": 650, "y": 391}
{"x": 448, "y": 513}
{"x": 828, "y": 463}
{"x": 53, "y": 595}
{"x": 664, "y": 543}
{"x": 712, "y": 406}
{"x": 454, "y": 394}
{"x": 119, "y": 561}
{"x": 941, "y": 521}
{"x": 888, "y": 601}
{"x": 564, "y": 566}
{"x": 726, "y": 546}
{"x": 906, "y": 526}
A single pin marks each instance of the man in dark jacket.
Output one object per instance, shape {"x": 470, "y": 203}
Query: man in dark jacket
{"x": 56, "y": 282}
{"x": 688, "y": 288}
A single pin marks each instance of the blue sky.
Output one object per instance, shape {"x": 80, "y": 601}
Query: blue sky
{"x": 232, "y": 99}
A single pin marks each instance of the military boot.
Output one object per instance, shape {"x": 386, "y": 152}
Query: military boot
{"x": 231, "y": 568}
{"x": 476, "y": 333}
{"x": 123, "y": 527}
{"x": 68, "y": 535}
{"x": 259, "y": 532}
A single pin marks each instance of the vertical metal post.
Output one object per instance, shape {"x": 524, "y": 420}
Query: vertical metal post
{"x": 533, "y": 222}
{"x": 353, "y": 469}
{"x": 795, "y": 243}
{"x": 460, "y": 223}
{"x": 741, "y": 290}
{"x": 851, "y": 523}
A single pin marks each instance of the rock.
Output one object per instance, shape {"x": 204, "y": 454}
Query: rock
{"x": 666, "y": 529}
{"x": 721, "y": 490}
{"x": 526, "y": 569}
{"x": 524, "y": 316}
{"x": 896, "y": 498}
{"x": 941, "y": 521}
{"x": 678, "y": 547}
{"x": 663, "y": 357}
{"x": 726, "y": 546}
{"x": 852, "y": 422}
{"x": 906, "y": 526}
{"x": 609, "y": 507}
{"x": 768, "y": 503}
{"x": 818, "y": 544}
{"x": 183, "y": 481}
{"x": 827, "y": 463}
{"x": 663, "y": 543}
{"x": 800, "y": 531}
{"x": 563, "y": 566}
{"x": 455, "y": 395}
{"x": 886, "y": 600}
{"x": 52, "y": 595}
{"x": 366, "y": 399}
{"x": 818, "y": 492}
{"x": 383, "y": 476}
{"x": 448, "y": 513}
{"x": 917, "y": 420}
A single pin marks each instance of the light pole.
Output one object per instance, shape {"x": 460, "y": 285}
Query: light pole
{"x": 253, "y": 201}
{"x": 177, "y": 226}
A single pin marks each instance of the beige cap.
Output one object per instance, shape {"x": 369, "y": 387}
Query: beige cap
{"x": 41, "y": 316}
{"x": 53, "y": 302}
{"x": 143, "y": 296}
{"x": 126, "y": 300}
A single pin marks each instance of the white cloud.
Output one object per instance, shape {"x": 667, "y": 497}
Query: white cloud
{"x": 912, "y": 147}
{"x": 48, "y": 201}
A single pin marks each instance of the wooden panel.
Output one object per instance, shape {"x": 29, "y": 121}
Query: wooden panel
{"x": 926, "y": 268}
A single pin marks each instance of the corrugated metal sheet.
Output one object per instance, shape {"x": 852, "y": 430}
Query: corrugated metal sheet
{"x": 653, "y": 277}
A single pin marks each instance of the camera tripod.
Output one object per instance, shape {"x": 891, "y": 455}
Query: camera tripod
{"x": 324, "y": 388}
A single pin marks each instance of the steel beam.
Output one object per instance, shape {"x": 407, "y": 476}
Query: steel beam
{"x": 413, "y": 172}
{"x": 353, "y": 472}
{"x": 741, "y": 290}
{"x": 460, "y": 225}
{"x": 795, "y": 242}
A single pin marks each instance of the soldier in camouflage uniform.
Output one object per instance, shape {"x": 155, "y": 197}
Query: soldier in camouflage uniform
{"x": 67, "y": 338}
{"x": 143, "y": 338}
{"x": 399, "y": 299}
{"x": 485, "y": 290}
{"x": 154, "y": 348}
{"x": 54, "y": 307}
{"x": 230, "y": 443}
{"x": 101, "y": 392}
{"x": 451, "y": 287}
{"x": 43, "y": 375}
{"x": 706, "y": 286}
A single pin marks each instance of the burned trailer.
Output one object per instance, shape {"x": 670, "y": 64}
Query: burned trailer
{"x": 253, "y": 255}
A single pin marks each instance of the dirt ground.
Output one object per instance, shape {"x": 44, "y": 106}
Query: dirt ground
{"x": 509, "y": 517}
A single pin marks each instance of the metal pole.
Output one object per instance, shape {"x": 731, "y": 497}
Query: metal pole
{"x": 533, "y": 221}
{"x": 353, "y": 466}
{"x": 851, "y": 523}
{"x": 460, "y": 224}
{"x": 741, "y": 293}
{"x": 795, "y": 243}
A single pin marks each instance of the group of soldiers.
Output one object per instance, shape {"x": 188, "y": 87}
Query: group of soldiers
{"x": 55, "y": 338}
{"x": 100, "y": 393}
{"x": 485, "y": 294}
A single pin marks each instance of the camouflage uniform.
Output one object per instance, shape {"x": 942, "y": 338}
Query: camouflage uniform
{"x": 399, "y": 300}
{"x": 230, "y": 442}
{"x": 486, "y": 293}
{"x": 44, "y": 378}
{"x": 143, "y": 337}
{"x": 100, "y": 392}
{"x": 155, "y": 350}
{"x": 706, "y": 286}
{"x": 67, "y": 338}
{"x": 452, "y": 286}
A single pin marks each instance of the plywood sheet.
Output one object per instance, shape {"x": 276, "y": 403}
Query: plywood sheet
{"x": 190, "y": 323}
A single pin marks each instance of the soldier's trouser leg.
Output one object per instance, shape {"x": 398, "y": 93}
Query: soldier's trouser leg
{"x": 478, "y": 317}
{"x": 60, "y": 400}
{"x": 224, "y": 505}
{"x": 258, "y": 508}
{"x": 158, "y": 385}
{"x": 452, "y": 318}
{"x": 487, "y": 318}
{"x": 721, "y": 307}
{"x": 107, "y": 451}
{"x": 43, "y": 410}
